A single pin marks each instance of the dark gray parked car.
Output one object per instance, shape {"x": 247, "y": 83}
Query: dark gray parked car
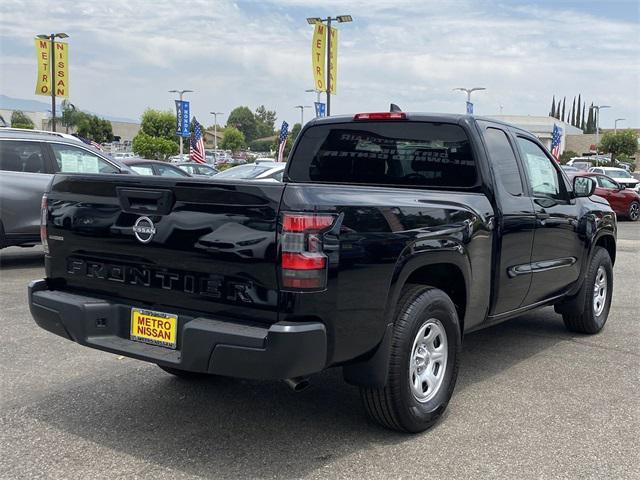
{"x": 28, "y": 161}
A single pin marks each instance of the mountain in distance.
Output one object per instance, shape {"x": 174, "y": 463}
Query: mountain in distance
{"x": 10, "y": 103}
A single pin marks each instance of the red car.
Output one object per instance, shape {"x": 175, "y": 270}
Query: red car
{"x": 624, "y": 201}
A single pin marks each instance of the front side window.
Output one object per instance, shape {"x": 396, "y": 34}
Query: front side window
{"x": 398, "y": 153}
{"x": 544, "y": 179}
{"x": 142, "y": 169}
{"x": 70, "y": 159}
{"x": 170, "y": 171}
{"x": 604, "y": 182}
{"x": 22, "y": 157}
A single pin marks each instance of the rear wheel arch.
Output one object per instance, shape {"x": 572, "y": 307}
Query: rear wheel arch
{"x": 443, "y": 274}
{"x": 447, "y": 277}
{"x": 608, "y": 242}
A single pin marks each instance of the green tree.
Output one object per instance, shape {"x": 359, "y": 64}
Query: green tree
{"x": 243, "y": 119}
{"x": 20, "y": 120}
{"x": 233, "y": 139}
{"x": 93, "y": 127}
{"x": 623, "y": 142}
{"x": 157, "y": 123}
{"x": 265, "y": 120}
{"x": 157, "y": 148}
{"x": 552, "y": 113}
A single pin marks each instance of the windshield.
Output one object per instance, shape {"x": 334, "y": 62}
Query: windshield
{"x": 243, "y": 171}
{"x": 618, "y": 173}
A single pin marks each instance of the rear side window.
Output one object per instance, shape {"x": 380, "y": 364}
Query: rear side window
{"x": 22, "y": 157}
{"x": 504, "y": 160}
{"x": 385, "y": 153}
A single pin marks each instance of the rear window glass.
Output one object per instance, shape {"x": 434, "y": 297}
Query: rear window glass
{"x": 385, "y": 153}
{"x": 22, "y": 157}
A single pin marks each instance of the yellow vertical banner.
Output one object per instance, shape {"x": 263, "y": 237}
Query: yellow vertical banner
{"x": 333, "y": 72}
{"x": 43, "y": 82}
{"x": 61, "y": 66}
{"x": 318, "y": 47}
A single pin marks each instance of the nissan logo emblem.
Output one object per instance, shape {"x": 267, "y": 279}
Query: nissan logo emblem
{"x": 144, "y": 230}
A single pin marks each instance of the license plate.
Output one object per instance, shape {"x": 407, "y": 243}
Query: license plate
{"x": 156, "y": 328}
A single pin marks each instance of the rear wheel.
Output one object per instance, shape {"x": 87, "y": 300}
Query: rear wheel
{"x": 423, "y": 364}
{"x": 634, "y": 211}
{"x": 595, "y": 294}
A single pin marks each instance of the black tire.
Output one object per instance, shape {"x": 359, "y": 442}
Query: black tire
{"x": 187, "y": 375}
{"x": 588, "y": 321}
{"x": 634, "y": 211}
{"x": 395, "y": 406}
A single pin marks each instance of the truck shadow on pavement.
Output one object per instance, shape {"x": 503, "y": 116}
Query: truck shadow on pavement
{"x": 16, "y": 258}
{"x": 232, "y": 428}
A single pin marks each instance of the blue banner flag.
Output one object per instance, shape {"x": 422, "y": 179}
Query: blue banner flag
{"x": 182, "y": 118}
{"x": 469, "y": 108}
{"x": 321, "y": 109}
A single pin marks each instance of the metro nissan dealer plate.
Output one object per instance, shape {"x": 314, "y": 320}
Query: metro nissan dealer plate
{"x": 156, "y": 328}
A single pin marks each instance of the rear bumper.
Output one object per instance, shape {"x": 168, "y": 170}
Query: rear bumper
{"x": 283, "y": 350}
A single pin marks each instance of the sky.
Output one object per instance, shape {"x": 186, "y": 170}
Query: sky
{"x": 126, "y": 54}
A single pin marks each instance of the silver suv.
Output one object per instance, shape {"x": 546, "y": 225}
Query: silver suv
{"x": 28, "y": 161}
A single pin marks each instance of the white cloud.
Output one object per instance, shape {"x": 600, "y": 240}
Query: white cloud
{"x": 125, "y": 55}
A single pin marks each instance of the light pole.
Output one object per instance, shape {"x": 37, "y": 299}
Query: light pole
{"x": 302, "y": 107}
{"x": 328, "y": 20}
{"x": 311, "y": 90}
{"x": 215, "y": 129}
{"x": 52, "y": 38}
{"x": 615, "y": 124}
{"x": 180, "y": 93}
{"x": 469, "y": 91}
{"x": 597, "y": 110}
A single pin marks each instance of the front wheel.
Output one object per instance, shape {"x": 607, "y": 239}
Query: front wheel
{"x": 423, "y": 364}
{"x": 634, "y": 211}
{"x": 596, "y": 294}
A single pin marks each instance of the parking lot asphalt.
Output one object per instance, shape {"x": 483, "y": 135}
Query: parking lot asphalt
{"x": 532, "y": 401}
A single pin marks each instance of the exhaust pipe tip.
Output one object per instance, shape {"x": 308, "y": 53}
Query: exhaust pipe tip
{"x": 297, "y": 384}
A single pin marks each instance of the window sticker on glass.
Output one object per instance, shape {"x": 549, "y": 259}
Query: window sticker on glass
{"x": 76, "y": 162}
{"x": 542, "y": 173}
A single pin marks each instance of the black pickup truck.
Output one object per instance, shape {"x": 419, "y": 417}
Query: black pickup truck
{"x": 391, "y": 236}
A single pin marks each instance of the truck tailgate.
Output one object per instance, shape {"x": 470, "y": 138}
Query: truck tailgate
{"x": 164, "y": 243}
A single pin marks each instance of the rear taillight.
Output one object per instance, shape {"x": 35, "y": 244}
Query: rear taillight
{"x": 380, "y": 116}
{"x": 303, "y": 264}
{"x": 43, "y": 224}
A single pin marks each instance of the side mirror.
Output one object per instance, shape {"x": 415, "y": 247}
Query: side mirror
{"x": 583, "y": 186}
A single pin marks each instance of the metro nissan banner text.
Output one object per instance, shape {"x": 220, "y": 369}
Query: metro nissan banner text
{"x": 60, "y": 59}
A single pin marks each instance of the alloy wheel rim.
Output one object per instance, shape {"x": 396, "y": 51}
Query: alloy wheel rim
{"x": 600, "y": 291}
{"x": 428, "y": 360}
{"x": 634, "y": 211}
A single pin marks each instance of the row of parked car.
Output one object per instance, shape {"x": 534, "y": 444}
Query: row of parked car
{"x": 30, "y": 158}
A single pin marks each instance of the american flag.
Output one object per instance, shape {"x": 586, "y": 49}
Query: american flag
{"x": 556, "y": 137}
{"x": 196, "y": 145}
{"x": 89, "y": 142}
{"x": 284, "y": 134}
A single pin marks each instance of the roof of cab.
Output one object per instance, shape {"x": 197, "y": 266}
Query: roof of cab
{"x": 419, "y": 117}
